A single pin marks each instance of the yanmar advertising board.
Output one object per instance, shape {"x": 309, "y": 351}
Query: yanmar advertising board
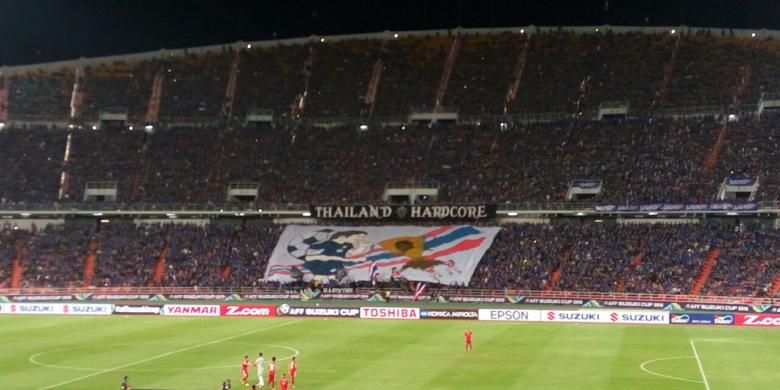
{"x": 765, "y": 320}
{"x": 701, "y": 319}
{"x": 510, "y": 315}
{"x": 307, "y": 311}
{"x": 191, "y": 310}
{"x": 390, "y": 313}
{"x": 247, "y": 310}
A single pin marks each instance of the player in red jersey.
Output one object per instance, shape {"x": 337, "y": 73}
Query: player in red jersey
{"x": 283, "y": 382}
{"x": 293, "y": 370}
{"x": 245, "y": 370}
{"x": 467, "y": 334}
{"x": 272, "y": 372}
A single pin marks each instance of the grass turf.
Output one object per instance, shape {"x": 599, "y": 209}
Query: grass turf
{"x": 78, "y": 353}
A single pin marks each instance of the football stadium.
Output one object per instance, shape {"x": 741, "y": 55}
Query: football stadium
{"x": 587, "y": 199}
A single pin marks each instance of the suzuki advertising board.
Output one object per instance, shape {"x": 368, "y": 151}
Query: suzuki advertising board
{"x": 390, "y": 313}
{"x": 191, "y": 310}
{"x": 247, "y": 310}
{"x": 767, "y": 320}
{"x": 35, "y": 308}
{"x": 510, "y": 315}
{"x": 576, "y": 316}
{"x": 648, "y": 317}
{"x": 90, "y": 309}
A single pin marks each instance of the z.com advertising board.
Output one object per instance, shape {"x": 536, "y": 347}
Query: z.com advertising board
{"x": 765, "y": 320}
{"x": 247, "y": 311}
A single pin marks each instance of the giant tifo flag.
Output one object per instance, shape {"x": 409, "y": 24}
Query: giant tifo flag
{"x": 444, "y": 254}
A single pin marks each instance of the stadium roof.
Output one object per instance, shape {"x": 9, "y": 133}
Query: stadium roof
{"x": 52, "y": 30}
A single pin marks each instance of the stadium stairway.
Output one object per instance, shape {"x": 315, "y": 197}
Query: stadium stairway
{"x": 775, "y": 286}
{"x": 557, "y": 270}
{"x": 17, "y": 266}
{"x": 159, "y": 267}
{"x": 636, "y": 260}
{"x": 449, "y": 64}
{"x": 517, "y": 74}
{"x": 706, "y": 270}
{"x": 663, "y": 86}
{"x": 89, "y": 262}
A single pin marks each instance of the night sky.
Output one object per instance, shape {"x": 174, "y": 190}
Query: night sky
{"x": 34, "y": 31}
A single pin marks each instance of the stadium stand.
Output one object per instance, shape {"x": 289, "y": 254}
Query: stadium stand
{"x": 309, "y": 155}
{"x": 585, "y": 256}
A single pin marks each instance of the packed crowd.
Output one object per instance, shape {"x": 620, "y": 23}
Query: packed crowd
{"x": 603, "y": 257}
{"x": 638, "y": 161}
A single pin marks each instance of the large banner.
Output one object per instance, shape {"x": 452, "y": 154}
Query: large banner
{"x": 445, "y": 254}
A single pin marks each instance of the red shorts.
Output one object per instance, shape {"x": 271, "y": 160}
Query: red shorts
{"x": 244, "y": 374}
{"x": 292, "y": 373}
{"x": 271, "y": 376}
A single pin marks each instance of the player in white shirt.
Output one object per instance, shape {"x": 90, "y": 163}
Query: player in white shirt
{"x": 260, "y": 365}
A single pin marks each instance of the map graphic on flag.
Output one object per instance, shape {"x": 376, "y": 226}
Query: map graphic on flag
{"x": 439, "y": 254}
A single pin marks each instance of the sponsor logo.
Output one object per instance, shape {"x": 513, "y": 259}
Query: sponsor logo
{"x": 120, "y": 297}
{"x": 398, "y": 313}
{"x": 2, "y": 308}
{"x": 191, "y": 310}
{"x": 477, "y": 299}
{"x": 306, "y": 311}
{"x": 758, "y": 319}
{"x": 727, "y": 319}
{"x": 269, "y": 296}
{"x": 41, "y": 298}
{"x": 509, "y": 315}
{"x": 87, "y": 309}
{"x": 247, "y": 310}
{"x": 639, "y": 318}
{"x": 132, "y": 309}
{"x": 701, "y": 319}
{"x": 197, "y": 297}
{"x": 454, "y": 314}
{"x": 616, "y": 316}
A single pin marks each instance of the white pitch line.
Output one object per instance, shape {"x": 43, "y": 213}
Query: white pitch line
{"x": 701, "y": 369}
{"x": 160, "y": 356}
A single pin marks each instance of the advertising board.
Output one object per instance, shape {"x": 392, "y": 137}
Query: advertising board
{"x": 191, "y": 310}
{"x": 390, "y": 313}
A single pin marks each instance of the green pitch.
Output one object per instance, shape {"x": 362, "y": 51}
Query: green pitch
{"x": 78, "y": 353}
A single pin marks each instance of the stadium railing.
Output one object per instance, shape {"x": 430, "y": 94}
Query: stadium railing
{"x": 463, "y": 292}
